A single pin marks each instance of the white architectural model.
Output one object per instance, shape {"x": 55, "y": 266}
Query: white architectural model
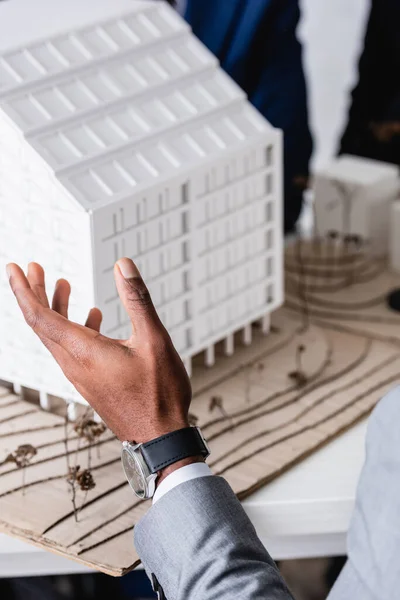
{"x": 353, "y": 195}
{"x": 120, "y": 135}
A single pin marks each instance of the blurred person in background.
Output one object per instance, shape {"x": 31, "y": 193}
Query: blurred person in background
{"x": 373, "y": 129}
{"x": 256, "y": 44}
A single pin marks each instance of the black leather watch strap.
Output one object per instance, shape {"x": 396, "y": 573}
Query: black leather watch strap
{"x": 174, "y": 446}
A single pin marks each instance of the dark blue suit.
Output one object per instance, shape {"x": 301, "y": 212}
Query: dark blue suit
{"x": 255, "y": 41}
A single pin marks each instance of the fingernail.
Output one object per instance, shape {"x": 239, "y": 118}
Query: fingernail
{"x": 8, "y": 271}
{"x": 128, "y": 268}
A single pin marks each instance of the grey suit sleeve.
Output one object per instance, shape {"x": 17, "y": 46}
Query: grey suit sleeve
{"x": 199, "y": 543}
{"x": 372, "y": 571}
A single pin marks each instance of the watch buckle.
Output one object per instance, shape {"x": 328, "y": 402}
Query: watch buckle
{"x": 207, "y": 447}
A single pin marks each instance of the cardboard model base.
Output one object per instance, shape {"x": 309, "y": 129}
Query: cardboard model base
{"x": 330, "y": 356}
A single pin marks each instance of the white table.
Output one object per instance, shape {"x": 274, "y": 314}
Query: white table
{"x": 306, "y": 512}
{"x": 303, "y": 514}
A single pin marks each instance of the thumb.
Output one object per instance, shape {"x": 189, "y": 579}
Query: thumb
{"x": 134, "y": 295}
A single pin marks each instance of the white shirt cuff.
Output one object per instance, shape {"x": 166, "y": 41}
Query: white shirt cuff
{"x": 179, "y": 476}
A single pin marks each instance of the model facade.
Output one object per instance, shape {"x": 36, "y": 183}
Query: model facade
{"x": 123, "y": 137}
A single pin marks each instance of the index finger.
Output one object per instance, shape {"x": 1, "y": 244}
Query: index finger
{"x": 46, "y": 323}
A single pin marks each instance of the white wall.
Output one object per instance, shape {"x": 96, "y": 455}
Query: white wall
{"x": 332, "y": 32}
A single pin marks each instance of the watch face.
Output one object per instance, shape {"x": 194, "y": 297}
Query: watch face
{"x": 134, "y": 473}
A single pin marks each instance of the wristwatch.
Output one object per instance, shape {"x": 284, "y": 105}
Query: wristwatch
{"x": 142, "y": 462}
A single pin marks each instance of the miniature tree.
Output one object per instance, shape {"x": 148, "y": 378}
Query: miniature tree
{"x": 346, "y": 194}
{"x": 22, "y": 458}
{"x": 302, "y": 287}
{"x": 218, "y": 402}
{"x": 299, "y": 376}
{"x": 332, "y": 254}
{"x": 248, "y": 379}
{"x": 89, "y": 430}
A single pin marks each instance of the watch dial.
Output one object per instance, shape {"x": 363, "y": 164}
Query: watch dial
{"x": 133, "y": 473}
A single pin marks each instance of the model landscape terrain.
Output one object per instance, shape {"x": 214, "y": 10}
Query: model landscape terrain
{"x": 332, "y": 353}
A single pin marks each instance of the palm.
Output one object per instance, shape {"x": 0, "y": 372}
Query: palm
{"x": 125, "y": 381}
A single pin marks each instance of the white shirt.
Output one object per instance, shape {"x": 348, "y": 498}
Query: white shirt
{"x": 179, "y": 476}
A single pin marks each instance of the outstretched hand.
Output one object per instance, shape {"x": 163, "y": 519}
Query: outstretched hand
{"x": 138, "y": 386}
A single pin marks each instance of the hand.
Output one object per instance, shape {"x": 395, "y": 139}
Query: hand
{"x": 139, "y": 386}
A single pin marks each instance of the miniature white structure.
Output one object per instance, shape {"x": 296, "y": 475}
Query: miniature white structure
{"x": 120, "y": 135}
{"x": 353, "y": 195}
